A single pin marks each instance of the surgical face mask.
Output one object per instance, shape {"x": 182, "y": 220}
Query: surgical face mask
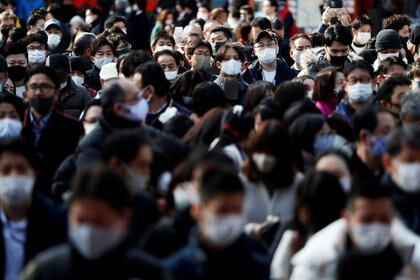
{"x": 345, "y": 183}
{"x": 223, "y": 231}
{"x": 267, "y": 55}
{"x": 15, "y": 191}
{"x": 164, "y": 47}
{"x": 202, "y": 63}
{"x": 360, "y": 92}
{"x": 297, "y": 56}
{"x": 78, "y": 80}
{"x": 36, "y": 57}
{"x": 323, "y": 143}
{"x": 99, "y": 62}
{"x": 185, "y": 195}
{"x": 379, "y": 146}
{"x": 137, "y": 112}
{"x": 89, "y": 127}
{"x": 371, "y": 238}
{"x": 363, "y": 37}
{"x": 54, "y": 40}
{"x": 136, "y": 182}
{"x": 10, "y": 128}
{"x": 408, "y": 175}
{"x": 264, "y": 163}
{"x": 383, "y": 56}
{"x": 202, "y": 15}
{"x": 92, "y": 242}
{"x": 171, "y": 75}
{"x": 231, "y": 67}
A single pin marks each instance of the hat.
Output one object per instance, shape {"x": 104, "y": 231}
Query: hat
{"x": 265, "y": 34}
{"x": 415, "y": 35}
{"x": 387, "y": 39}
{"x": 108, "y": 71}
{"x": 51, "y": 23}
{"x": 59, "y": 62}
{"x": 3, "y": 64}
{"x": 79, "y": 64}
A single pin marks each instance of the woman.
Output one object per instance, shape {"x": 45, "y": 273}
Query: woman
{"x": 257, "y": 92}
{"x": 12, "y": 110}
{"x": 328, "y": 83}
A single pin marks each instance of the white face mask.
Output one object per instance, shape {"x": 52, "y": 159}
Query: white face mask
{"x": 185, "y": 195}
{"x": 171, "y": 75}
{"x": 10, "y": 128}
{"x": 363, "y": 37}
{"x": 54, "y": 40}
{"x": 265, "y": 163}
{"x": 360, "y": 92}
{"x": 138, "y": 111}
{"x": 231, "y": 67}
{"x": 267, "y": 55}
{"x": 92, "y": 241}
{"x": 36, "y": 57}
{"x": 297, "y": 57}
{"x": 408, "y": 175}
{"x": 224, "y": 230}
{"x": 78, "y": 80}
{"x": 164, "y": 47}
{"x": 371, "y": 238}
{"x": 16, "y": 190}
{"x": 99, "y": 62}
{"x": 136, "y": 181}
{"x": 89, "y": 127}
{"x": 383, "y": 56}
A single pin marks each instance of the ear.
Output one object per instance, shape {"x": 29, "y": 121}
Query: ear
{"x": 102, "y": 82}
{"x": 119, "y": 109}
{"x": 380, "y": 79}
{"x": 382, "y": 103}
{"x": 244, "y": 66}
{"x": 345, "y": 214}
{"x": 353, "y": 31}
{"x": 189, "y": 57}
{"x": 25, "y": 95}
{"x": 195, "y": 211}
{"x": 387, "y": 162}
{"x": 363, "y": 136}
{"x": 218, "y": 65}
{"x": 291, "y": 54}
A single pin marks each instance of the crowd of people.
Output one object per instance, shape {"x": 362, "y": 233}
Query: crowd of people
{"x": 202, "y": 142}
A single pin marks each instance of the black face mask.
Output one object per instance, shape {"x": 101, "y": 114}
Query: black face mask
{"x": 218, "y": 45}
{"x": 16, "y": 73}
{"x": 123, "y": 51}
{"x": 5, "y": 33}
{"x": 42, "y": 105}
{"x": 338, "y": 61}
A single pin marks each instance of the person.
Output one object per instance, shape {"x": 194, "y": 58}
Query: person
{"x": 138, "y": 27}
{"x": 91, "y": 114}
{"x": 259, "y": 24}
{"x": 36, "y": 21}
{"x": 230, "y": 60}
{"x": 116, "y": 21}
{"x": 371, "y": 127}
{"x": 369, "y": 241}
{"x": 298, "y": 44}
{"x": 361, "y": 28}
{"x": 288, "y": 93}
{"x": 54, "y": 31}
{"x": 99, "y": 221}
{"x": 206, "y": 96}
{"x": 94, "y": 20}
{"x": 17, "y": 64}
{"x": 102, "y": 52}
{"x": 4, "y": 77}
{"x": 391, "y": 93}
{"x": 162, "y": 41}
{"x": 218, "y": 15}
{"x": 269, "y": 9}
{"x": 131, "y": 62}
{"x": 390, "y": 67}
{"x": 37, "y": 48}
{"x": 8, "y": 21}
{"x": 219, "y": 36}
{"x": 257, "y": 92}
{"x": 401, "y": 24}
{"x": 277, "y": 25}
{"x": 164, "y": 19}
{"x": 402, "y": 163}
{"x": 338, "y": 164}
{"x": 107, "y": 75}
{"x": 79, "y": 67}
{"x": 81, "y": 46}
{"x": 309, "y": 82}
{"x": 170, "y": 64}
{"x": 286, "y": 16}
{"x": 268, "y": 109}
{"x": 30, "y": 223}
{"x": 414, "y": 42}
{"x": 219, "y": 238}
{"x": 54, "y": 135}
{"x": 199, "y": 54}
{"x": 332, "y": 15}
{"x": 387, "y": 44}
{"x": 325, "y": 91}
{"x": 268, "y": 68}
{"x": 151, "y": 81}
{"x": 246, "y": 13}
{"x": 409, "y": 110}
{"x": 72, "y": 98}
{"x": 12, "y": 110}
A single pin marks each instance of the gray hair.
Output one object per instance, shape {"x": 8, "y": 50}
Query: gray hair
{"x": 410, "y": 105}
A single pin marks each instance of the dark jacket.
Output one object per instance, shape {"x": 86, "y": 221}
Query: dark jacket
{"x": 46, "y": 227}
{"x": 92, "y": 79}
{"x": 65, "y": 263}
{"x": 283, "y": 72}
{"x": 138, "y": 30}
{"x": 244, "y": 259}
{"x": 73, "y": 99}
{"x": 58, "y": 140}
{"x": 97, "y": 26}
{"x": 243, "y": 87}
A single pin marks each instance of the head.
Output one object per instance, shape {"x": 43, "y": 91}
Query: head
{"x": 206, "y": 96}
{"x": 132, "y": 61}
{"x": 266, "y": 47}
{"x": 268, "y": 109}
{"x": 91, "y": 15}
{"x": 309, "y": 82}
{"x": 388, "y": 44}
{"x": 82, "y": 42}
{"x": 102, "y": 51}
{"x": 220, "y": 36}
{"x": 230, "y": 59}
{"x": 199, "y": 53}
{"x": 8, "y": 21}
{"x": 91, "y": 115}
{"x": 288, "y": 93}
{"x": 392, "y": 66}
{"x": 298, "y": 44}
{"x": 410, "y": 109}
{"x": 399, "y": 23}
{"x": 208, "y": 27}
{"x": 270, "y": 7}
{"x": 116, "y": 21}
{"x": 36, "y": 21}
{"x": 361, "y": 29}
{"x": 54, "y": 31}
{"x": 359, "y": 84}
{"x": 246, "y": 13}
{"x": 61, "y": 64}
{"x": 79, "y": 67}
{"x": 17, "y": 62}
{"x": 219, "y": 15}
{"x": 337, "y": 40}
{"x": 325, "y": 86}
{"x": 258, "y": 25}
{"x": 162, "y": 41}
{"x": 169, "y": 62}
{"x": 336, "y": 164}
{"x": 392, "y": 92}
{"x": 37, "y": 48}
{"x": 151, "y": 81}
{"x": 257, "y": 92}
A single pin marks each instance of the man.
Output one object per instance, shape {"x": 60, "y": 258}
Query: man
{"x": 116, "y": 21}
{"x": 410, "y": 109}
{"x": 219, "y": 249}
{"x": 17, "y": 64}
{"x": 54, "y": 135}
{"x": 298, "y": 44}
{"x": 36, "y": 21}
{"x": 277, "y": 25}
{"x": 170, "y": 64}
{"x": 362, "y": 32}
{"x": 391, "y": 94}
{"x": 402, "y": 162}
{"x": 414, "y": 42}
{"x": 220, "y": 36}
{"x": 246, "y": 14}
{"x": 367, "y": 243}
{"x": 151, "y": 81}
{"x": 72, "y": 99}
{"x": 108, "y": 74}
{"x": 371, "y": 128}
{"x": 99, "y": 221}
{"x": 268, "y": 68}
{"x": 258, "y": 25}
{"x": 93, "y": 19}
{"x": 388, "y": 44}
{"x": 37, "y": 48}
{"x": 138, "y": 27}
{"x": 29, "y": 222}
{"x": 3, "y": 76}
{"x": 8, "y": 21}
{"x": 54, "y": 31}
{"x": 388, "y": 68}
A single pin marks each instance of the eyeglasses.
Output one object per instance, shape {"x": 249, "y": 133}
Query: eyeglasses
{"x": 202, "y": 54}
{"x": 42, "y": 87}
{"x": 361, "y": 79}
{"x": 124, "y": 47}
{"x": 33, "y": 48}
{"x": 262, "y": 46}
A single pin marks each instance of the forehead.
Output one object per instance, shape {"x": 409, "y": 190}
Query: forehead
{"x": 217, "y": 34}
{"x": 166, "y": 59}
{"x": 331, "y": 162}
{"x": 9, "y": 157}
{"x": 265, "y": 40}
{"x": 35, "y": 44}
{"x": 53, "y": 29}
{"x": 365, "y": 27}
{"x": 338, "y": 45}
{"x": 357, "y": 73}
{"x": 302, "y": 42}
{"x": 396, "y": 69}
{"x": 105, "y": 48}
{"x": 202, "y": 49}
{"x": 40, "y": 78}
{"x": 14, "y": 57}
{"x": 164, "y": 40}
{"x": 5, "y": 106}
{"x": 373, "y": 205}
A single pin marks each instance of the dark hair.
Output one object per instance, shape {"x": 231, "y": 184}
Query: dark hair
{"x": 317, "y": 40}
{"x": 215, "y": 182}
{"x": 15, "y": 48}
{"x": 163, "y": 35}
{"x": 20, "y": 146}
{"x": 109, "y": 23}
{"x": 206, "y": 96}
{"x": 248, "y": 9}
{"x": 221, "y": 52}
{"x": 101, "y": 183}
{"x": 385, "y": 65}
{"x": 167, "y": 52}
{"x": 356, "y": 65}
{"x": 123, "y": 145}
{"x": 116, "y": 38}
{"x": 17, "y": 34}
{"x": 226, "y": 31}
{"x": 47, "y": 71}
{"x": 193, "y": 45}
{"x": 337, "y": 33}
{"x": 299, "y": 108}
{"x": 367, "y": 188}
{"x": 366, "y": 118}
{"x": 408, "y": 135}
{"x": 216, "y": 13}
{"x": 83, "y": 43}
{"x": 262, "y": 22}
{"x": 99, "y": 42}
{"x": 95, "y": 11}
{"x": 34, "y": 18}
{"x": 93, "y": 102}
{"x": 256, "y": 92}
{"x": 112, "y": 95}
{"x": 396, "y": 22}
{"x": 15, "y": 101}
{"x": 289, "y": 92}
{"x": 360, "y": 21}
{"x": 296, "y": 37}
{"x": 277, "y": 24}
{"x": 268, "y": 109}
{"x": 304, "y": 129}
{"x": 40, "y": 37}
{"x": 274, "y": 3}
{"x": 385, "y": 91}
{"x": 178, "y": 125}
{"x": 152, "y": 74}
{"x": 324, "y": 85}
{"x": 244, "y": 29}
{"x": 132, "y": 61}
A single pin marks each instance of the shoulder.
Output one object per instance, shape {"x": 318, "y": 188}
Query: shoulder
{"x": 70, "y": 122}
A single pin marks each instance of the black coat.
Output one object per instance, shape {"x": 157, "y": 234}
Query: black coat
{"x": 92, "y": 79}
{"x": 138, "y": 30}
{"x": 59, "y": 139}
{"x": 73, "y": 99}
{"x": 46, "y": 227}
{"x": 283, "y": 72}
